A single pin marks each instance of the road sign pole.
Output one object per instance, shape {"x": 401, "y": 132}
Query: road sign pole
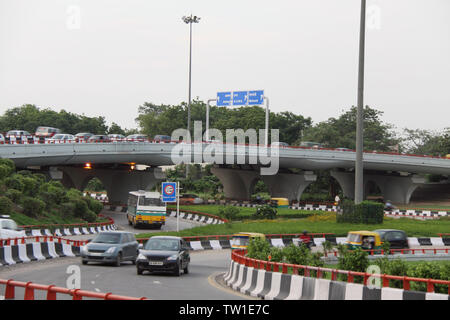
{"x": 178, "y": 206}
{"x": 266, "y": 138}
{"x": 207, "y": 118}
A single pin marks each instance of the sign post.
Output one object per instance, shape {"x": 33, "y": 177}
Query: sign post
{"x": 171, "y": 193}
{"x": 241, "y": 98}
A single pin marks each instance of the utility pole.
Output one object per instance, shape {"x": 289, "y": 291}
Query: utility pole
{"x": 359, "y": 170}
{"x": 190, "y": 20}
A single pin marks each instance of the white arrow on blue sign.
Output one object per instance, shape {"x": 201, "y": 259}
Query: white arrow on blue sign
{"x": 240, "y": 98}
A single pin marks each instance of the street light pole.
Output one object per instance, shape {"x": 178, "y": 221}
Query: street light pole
{"x": 190, "y": 20}
{"x": 359, "y": 170}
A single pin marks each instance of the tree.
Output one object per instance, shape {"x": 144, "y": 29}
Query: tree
{"x": 341, "y": 132}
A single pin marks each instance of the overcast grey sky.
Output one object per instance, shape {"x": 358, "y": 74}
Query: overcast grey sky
{"x": 107, "y": 57}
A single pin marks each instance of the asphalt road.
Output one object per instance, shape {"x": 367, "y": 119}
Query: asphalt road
{"x": 199, "y": 284}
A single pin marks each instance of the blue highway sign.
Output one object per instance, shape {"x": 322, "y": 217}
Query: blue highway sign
{"x": 169, "y": 191}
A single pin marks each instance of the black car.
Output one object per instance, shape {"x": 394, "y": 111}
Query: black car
{"x": 164, "y": 254}
{"x": 396, "y": 238}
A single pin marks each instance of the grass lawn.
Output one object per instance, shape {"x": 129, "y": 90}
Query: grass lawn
{"x": 413, "y": 228}
{"x": 244, "y": 212}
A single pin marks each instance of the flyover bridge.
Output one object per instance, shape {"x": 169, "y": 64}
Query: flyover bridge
{"x": 238, "y": 166}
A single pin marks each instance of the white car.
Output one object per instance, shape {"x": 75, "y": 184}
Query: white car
{"x": 62, "y": 137}
{"x": 9, "y": 229}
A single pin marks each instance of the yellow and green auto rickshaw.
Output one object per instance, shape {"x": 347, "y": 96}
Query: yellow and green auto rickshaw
{"x": 280, "y": 202}
{"x": 366, "y": 240}
{"x": 242, "y": 239}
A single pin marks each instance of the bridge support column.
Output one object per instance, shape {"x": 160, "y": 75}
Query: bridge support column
{"x": 288, "y": 185}
{"x": 117, "y": 182}
{"x": 397, "y": 189}
{"x": 237, "y": 184}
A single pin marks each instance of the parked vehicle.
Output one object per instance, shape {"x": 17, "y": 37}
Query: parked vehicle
{"x": 83, "y": 136}
{"x": 280, "y": 202}
{"x": 9, "y": 228}
{"x": 241, "y": 240}
{"x": 146, "y": 209}
{"x": 137, "y": 137}
{"x": 2, "y": 138}
{"x": 19, "y": 135}
{"x": 164, "y": 254}
{"x": 62, "y": 137}
{"x": 397, "y": 238}
{"x": 188, "y": 199}
{"x": 161, "y": 138}
{"x": 99, "y": 138}
{"x": 367, "y": 240}
{"x": 46, "y": 132}
{"x": 111, "y": 247}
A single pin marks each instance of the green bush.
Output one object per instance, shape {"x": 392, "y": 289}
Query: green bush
{"x": 9, "y": 164}
{"x": 5, "y": 206}
{"x": 4, "y": 171}
{"x": 93, "y": 205}
{"x": 32, "y": 207}
{"x": 354, "y": 260}
{"x": 229, "y": 212}
{"x": 265, "y": 212}
{"x": 429, "y": 270}
{"x": 67, "y": 209}
{"x": 367, "y": 212}
{"x": 89, "y": 216}
{"x": 396, "y": 267}
{"x": 15, "y": 182}
{"x": 30, "y": 186}
{"x": 14, "y": 195}
{"x": 80, "y": 208}
{"x": 258, "y": 248}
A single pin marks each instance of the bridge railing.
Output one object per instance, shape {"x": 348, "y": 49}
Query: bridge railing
{"x": 51, "y": 290}
{"x": 40, "y": 141}
{"x": 239, "y": 256}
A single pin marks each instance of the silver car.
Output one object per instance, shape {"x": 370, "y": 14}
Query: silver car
{"x": 112, "y": 247}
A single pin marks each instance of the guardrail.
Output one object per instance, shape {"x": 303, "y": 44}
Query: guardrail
{"x": 239, "y": 257}
{"x": 33, "y": 140}
{"x": 229, "y": 236}
{"x": 23, "y": 240}
{"x": 77, "y": 294}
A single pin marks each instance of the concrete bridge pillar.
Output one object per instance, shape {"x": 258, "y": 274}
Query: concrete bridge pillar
{"x": 237, "y": 184}
{"x": 288, "y": 185}
{"x": 117, "y": 182}
{"x": 398, "y": 189}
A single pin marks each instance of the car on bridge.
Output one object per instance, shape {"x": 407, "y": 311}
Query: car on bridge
{"x": 116, "y": 137}
{"x": 164, "y": 254}
{"x": 99, "y": 138}
{"x": 137, "y": 137}
{"x": 46, "y": 132}
{"x": 62, "y": 137}
{"x": 19, "y": 136}
{"x": 83, "y": 136}
{"x": 280, "y": 144}
{"x": 111, "y": 247}
{"x": 162, "y": 139}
